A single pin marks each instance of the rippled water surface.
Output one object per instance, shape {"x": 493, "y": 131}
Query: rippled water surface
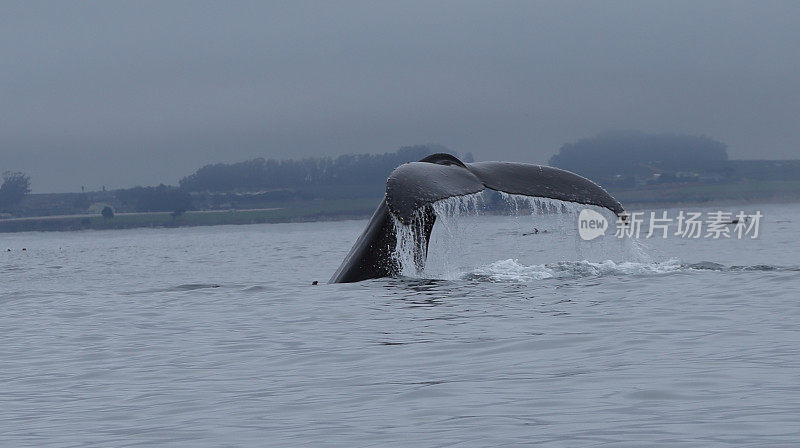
{"x": 207, "y": 337}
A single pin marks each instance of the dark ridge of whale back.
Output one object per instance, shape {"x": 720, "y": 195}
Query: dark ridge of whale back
{"x": 442, "y": 158}
{"x": 543, "y": 181}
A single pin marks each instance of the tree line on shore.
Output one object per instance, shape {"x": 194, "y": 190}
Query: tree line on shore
{"x": 616, "y": 160}
{"x": 625, "y": 160}
{"x": 265, "y": 174}
{"x": 252, "y": 183}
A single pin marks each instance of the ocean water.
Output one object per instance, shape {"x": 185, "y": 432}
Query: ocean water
{"x": 215, "y": 336}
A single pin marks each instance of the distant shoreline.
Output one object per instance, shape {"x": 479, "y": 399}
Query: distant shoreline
{"x": 721, "y": 203}
{"x": 304, "y": 211}
{"x": 650, "y": 197}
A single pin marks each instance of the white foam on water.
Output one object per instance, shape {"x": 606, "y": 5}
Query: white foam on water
{"x": 512, "y": 270}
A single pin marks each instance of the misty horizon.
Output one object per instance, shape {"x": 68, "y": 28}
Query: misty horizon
{"x": 124, "y": 94}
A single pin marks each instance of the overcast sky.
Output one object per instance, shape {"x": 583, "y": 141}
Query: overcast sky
{"x": 126, "y": 93}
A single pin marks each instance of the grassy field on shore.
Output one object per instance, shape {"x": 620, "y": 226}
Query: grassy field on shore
{"x": 291, "y": 212}
{"x": 696, "y": 192}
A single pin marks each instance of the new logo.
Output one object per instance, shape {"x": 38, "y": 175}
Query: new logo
{"x": 591, "y": 224}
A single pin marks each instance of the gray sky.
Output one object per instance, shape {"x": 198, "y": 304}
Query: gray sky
{"x": 127, "y": 93}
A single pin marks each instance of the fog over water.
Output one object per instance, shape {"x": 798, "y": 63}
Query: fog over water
{"x": 120, "y": 94}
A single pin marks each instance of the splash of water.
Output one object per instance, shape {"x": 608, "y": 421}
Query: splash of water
{"x": 458, "y": 216}
{"x": 513, "y": 271}
{"x": 450, "y": 213}
{"x": 409, "y": 251}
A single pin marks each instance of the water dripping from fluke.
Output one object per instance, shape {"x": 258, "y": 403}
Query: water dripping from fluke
{"x": 459, "y": 230}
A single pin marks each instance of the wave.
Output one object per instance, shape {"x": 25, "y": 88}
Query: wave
{"x": 178, "y": 288}
{"x": 512, "y": 270}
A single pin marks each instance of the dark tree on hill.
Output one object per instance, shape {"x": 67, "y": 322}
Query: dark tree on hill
{"x": 107, "y": 212}
{"x": 636, "y": 153}
{"x": 14, "y": 188}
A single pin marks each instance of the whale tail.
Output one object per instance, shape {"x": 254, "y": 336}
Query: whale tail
{"x": 414, "y": 186}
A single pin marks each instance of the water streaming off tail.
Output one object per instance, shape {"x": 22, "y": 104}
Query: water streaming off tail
{"x": 479, "y": 230}
{"x": 450, "y": 223}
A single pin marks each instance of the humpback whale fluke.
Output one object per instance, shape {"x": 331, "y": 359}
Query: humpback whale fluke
{"x": 413, "y": 187}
